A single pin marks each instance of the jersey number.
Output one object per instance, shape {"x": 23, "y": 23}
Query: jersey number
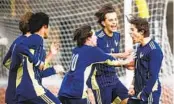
{"x": 74, "y": 61}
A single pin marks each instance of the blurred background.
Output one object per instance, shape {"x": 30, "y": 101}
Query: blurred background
{"x": 67, "y": 15}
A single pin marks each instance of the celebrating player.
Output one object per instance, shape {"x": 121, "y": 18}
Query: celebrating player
{"x": 146, "y": 85}
{"x": 30, "y": 89}
{"x": 110, "y": 87}
{"x": 74, "y": 88}
{"x": 13, "y": 61}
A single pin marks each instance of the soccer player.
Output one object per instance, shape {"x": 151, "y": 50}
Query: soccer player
{"x": 13, "y": 63}
{"x": 31, "y": 89}
{"x": 23, "y": 26}
{"x": 146, "y": 85}
{"x": 110, "y": 87}
{"x": 74, "y": 89}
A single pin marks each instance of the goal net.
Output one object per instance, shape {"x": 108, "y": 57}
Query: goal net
{"x": 67, "y": 15}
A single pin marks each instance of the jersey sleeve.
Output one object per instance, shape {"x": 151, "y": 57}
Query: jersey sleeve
{"x": 48, "y": 72}
{"x": 35, "y": 42}
{"x": 7, "y": 60}
{"x": 24, "y": 50}
{"x": 155, "y": 61}
{"x": 25, "y": 47}
{"x": 100, "y": 57}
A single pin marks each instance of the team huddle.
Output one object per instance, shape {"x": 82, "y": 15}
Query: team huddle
{"x": 91, "y": 78}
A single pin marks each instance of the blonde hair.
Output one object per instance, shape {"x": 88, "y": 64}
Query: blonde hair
{"x": 23, "y": 23}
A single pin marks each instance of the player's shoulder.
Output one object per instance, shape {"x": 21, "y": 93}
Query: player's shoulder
{"x": 95, "y": 50}
{"x": 19, "y": 37}
{"x": 89, "y": 49}
{"x": 35, "y": 39}
{"x": 116, "y": 33}
{"x": 153, "y": 45}
{"x": 155, "y": 48}
{"x": 100, "y": 33}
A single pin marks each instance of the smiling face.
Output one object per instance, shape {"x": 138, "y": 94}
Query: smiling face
{"x": 110, "y": 22}
{"x": 137, "y": 37}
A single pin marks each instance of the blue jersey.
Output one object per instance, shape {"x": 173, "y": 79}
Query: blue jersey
{"x": 8, "y": 58}
{"x": 147, "y": 67}
{"x": 106, "y": 75}
{"x": 74, "y": 83}
{"x": 30, "y": 81}
{"x": 12, "y": 61}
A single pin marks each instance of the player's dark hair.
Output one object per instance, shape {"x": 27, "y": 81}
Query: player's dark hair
{"x": 37, "y": 21}
{"x": 24, "y": 22}
{"x": 141, "y": 24}
{"x": 81, "y": 34}
{"x": 100, "y": 14}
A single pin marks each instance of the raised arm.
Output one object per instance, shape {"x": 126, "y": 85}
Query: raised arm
{"x": 54, "y": 48}
{"x": 101, "y": 57}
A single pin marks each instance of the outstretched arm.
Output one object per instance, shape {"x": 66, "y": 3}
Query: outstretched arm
{"x": 57, "y": 69}
{"x": 100, "y": 57}
{"x": 127, "y": 62}
{"x": 122, "y": 55}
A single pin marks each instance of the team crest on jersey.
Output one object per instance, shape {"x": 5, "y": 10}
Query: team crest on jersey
{"x": 116, "y": 43}
{"x": 107, "y": 45}
{"x": 141, "y": 55}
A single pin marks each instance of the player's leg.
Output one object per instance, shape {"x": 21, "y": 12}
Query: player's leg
{"x": 120, "y": 92}
{"x": 47, "y": 98}
{"x": 156, "y": 97}
{"x": 66, "y": 100}
{"x": 103, "y": 95}
{"x": 134, "y": 100}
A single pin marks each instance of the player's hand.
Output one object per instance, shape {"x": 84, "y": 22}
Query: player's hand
{"x": 41, "y": 66}
{"x": 91, "y": 96}
{"x": 54, "y": 48}
{"x": 130, "y": 67}
{"x": 130, "y": 59}
{"x": 127, "y": 53}
{"x": 59, "y": 70}
{"x": 131, "y": 91}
